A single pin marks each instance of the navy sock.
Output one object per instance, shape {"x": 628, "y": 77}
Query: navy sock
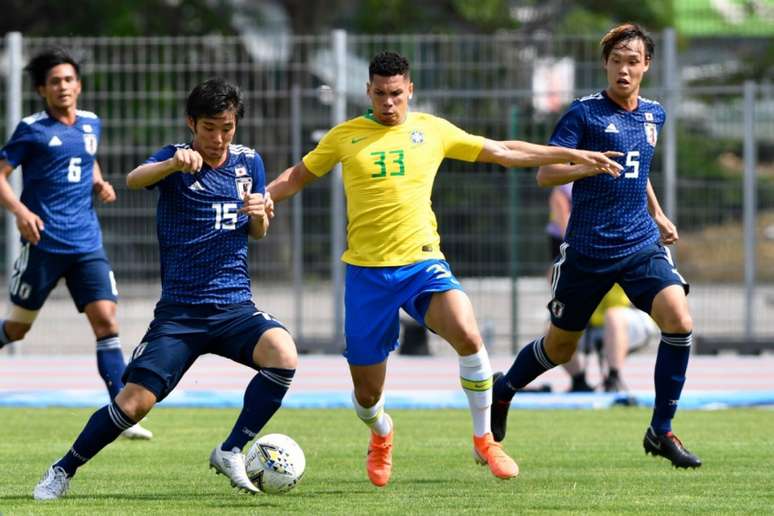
{"x": 669, "y": 377}
{"x": 104, "y": 427}
{"x": 110, "y": 363}
{"x": 3, "y": 337}
{"x": 263, "y": 397}
{"x": 531, "y": 362}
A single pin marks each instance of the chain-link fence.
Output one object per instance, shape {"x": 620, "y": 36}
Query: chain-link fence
{"x": 491, "y": 221}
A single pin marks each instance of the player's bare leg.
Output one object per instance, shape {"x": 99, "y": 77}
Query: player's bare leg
{"x": 368, "y": 400}
{"x": 451, "y": 316}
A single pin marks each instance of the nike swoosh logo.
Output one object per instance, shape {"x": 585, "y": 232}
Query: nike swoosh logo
{"x": 656, "y": 445}
{"x": 358, "y": 140}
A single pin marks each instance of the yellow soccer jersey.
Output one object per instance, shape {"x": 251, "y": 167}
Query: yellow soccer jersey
{"x": 614, "y": 297}
{"x": 388, "y": 174}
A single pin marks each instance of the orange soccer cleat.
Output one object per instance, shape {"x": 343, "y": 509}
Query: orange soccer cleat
{"x": 379, "y": 458}
{"x": 487, "y": 451}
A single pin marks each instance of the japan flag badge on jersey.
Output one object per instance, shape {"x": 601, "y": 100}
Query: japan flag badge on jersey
{"x": 90, "y": 143}
{"x": 651, "y": 134}
{"x": 244, "y": 185}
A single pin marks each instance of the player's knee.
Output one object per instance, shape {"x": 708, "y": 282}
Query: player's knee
{"x": 677, "y": 323}
{"x": 560, "y": 351}
{"x": 467, "y": 341}
{"x": 135, "y": 401}
{"x": 104, "y": 327}
{"x": 276, "y": 348}
{"x": 16, "y": 330}
{"x": 367, "y": 398}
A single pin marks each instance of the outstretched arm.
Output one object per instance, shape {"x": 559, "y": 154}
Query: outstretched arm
{"x": 554, "y": 175}
{"x": 665, "y": 226}
{"x": 290, "y": 182}
{"x": 516, "y": 154}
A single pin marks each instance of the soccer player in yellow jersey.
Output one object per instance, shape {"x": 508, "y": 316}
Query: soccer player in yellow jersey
{"x": 390, "y": 158}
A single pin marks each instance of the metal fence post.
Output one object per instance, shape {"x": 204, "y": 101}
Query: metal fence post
{"x": 13, "y": 113}
{"x": 513, "y": 235}
{"x": 671, "y": 81}
{"x": 338, "y": 215}
{"x": 750, "y": 208}
{"x": 298, "y": 215}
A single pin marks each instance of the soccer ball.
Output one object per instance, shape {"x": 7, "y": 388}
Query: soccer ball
{"x": 275, "y": 463}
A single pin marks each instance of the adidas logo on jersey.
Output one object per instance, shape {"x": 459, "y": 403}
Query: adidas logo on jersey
{"x": 54, "y": 141}
{"x": 196, "y": 186}
{"x": 611, "y": 128}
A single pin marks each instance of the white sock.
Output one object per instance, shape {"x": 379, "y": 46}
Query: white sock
{"x": 476, "y": 379}
{"x": 374, "y": 417}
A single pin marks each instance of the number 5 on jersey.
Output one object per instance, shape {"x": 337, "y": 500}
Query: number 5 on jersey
{"x": 633, "y": 162}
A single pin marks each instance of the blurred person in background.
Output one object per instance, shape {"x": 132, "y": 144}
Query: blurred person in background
{"x": 61, "y": 237}
{"x": 616, "y": 234}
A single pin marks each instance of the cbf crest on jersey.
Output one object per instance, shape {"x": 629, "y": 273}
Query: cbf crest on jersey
{"x": 417, "y": 137}
{"x": 244, "y": 185}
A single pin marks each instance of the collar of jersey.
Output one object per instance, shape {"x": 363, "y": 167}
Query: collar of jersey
{"x": 617, "y": 106}
{"x": 369, "y": 114}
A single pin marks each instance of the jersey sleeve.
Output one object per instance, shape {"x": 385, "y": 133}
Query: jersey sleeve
{"x": 324, "y": 157}
{"x": 19, "y": 146}
{"x": 259, "y": 175}
{"x": 459, "y": 144}
{"x": 569, "y": 130}
{"x": 160, "y": 155}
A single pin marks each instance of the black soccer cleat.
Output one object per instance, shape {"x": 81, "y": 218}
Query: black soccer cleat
{"x": 669, "y": 447}
{"x": 499, "y": 418}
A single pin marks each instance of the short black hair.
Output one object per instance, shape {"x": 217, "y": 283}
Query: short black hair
{"x": 626, "y": 32}
{"x": 388, "y": 64}
{"x": 42, "y": 63}
{"x": 212, "y": 97}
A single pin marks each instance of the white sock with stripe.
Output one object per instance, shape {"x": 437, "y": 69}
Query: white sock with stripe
{"x": 374, "y": 417}
{"x": 476, "y": 380}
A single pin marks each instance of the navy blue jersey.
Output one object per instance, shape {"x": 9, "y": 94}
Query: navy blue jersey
{"x": 202, "y": 235}
{"x": 57, "y": 163}
{"x": 610, "y": 217}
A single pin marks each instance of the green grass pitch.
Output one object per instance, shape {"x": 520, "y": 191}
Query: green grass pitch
{"x": 572, "y": 462}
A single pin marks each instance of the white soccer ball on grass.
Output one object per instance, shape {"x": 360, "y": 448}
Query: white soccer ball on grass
{"x": 275, "y": 463}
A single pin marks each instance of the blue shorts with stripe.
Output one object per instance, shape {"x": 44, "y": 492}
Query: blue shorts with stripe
{"x": 579, "y": 282}
{"x": 36, "y": 272}
{"x": 180, "y": 333}
{"x": 373, "y": 298}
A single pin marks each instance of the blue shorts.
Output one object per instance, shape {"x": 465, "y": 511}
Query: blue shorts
{"x": 373, "y": 297}
{"x": 180, "y": 333}
{"x": 579, "y": 283}
{"x": 36, "y": 272}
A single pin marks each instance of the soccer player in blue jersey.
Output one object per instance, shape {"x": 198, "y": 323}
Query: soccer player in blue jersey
{"x": 211, "y": 198}
{"x": 61, "y": 237}
{"x": 616, "y": 234}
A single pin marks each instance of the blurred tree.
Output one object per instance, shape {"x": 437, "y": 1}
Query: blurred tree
{"x": 115, "y": 18}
